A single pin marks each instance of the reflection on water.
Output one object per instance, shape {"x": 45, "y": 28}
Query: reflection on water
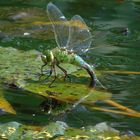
{"x": 116, "y": 47}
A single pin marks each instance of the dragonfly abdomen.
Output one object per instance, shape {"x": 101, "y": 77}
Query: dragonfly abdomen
{"x": 81, "y": 63}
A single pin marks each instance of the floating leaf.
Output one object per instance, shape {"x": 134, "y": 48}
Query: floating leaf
{"x": 68, "y": 92}
{"x": 21, "y": 68}
{"x": 16, "y": 66}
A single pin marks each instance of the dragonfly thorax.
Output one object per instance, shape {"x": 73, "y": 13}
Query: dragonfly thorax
{"x": 58, "y": 55}
{"x": 62, "y": 55}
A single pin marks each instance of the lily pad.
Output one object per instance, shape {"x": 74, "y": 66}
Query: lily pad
{"x": 22, "y": 69}
{"x": 68, "y": 92}
{"x": 20, "y": 65}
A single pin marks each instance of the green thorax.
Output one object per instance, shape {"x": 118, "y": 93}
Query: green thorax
{"x": 61, "y": 55}
{"x": 65, "y": 56}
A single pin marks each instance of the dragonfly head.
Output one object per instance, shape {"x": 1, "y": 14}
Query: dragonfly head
{"x": 47, "y": 56}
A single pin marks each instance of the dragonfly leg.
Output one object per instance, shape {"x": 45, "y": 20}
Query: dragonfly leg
{"x": 65, "y": 72}
{"x": 42, "y": 68}
{"x": 53, "y": 69}
{"x": 50, "y": 73}
{"x": 40, "y": 75}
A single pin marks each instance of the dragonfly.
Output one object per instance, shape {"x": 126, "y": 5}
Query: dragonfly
{"x": 72, "y": 37}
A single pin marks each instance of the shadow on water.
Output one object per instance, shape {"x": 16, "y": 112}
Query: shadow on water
{"x": 22, "y": 26}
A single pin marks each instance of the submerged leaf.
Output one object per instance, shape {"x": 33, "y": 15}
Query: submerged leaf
{"x": 10, "y": 130}
{"x": 5, "y": 105}
{"x": 55, "y": 129}
{"x": 59, "y": 130}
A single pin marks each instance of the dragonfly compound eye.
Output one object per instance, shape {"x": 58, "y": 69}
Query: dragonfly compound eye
{"x": 43, "y": 57}
{"x": 47, "y": 56}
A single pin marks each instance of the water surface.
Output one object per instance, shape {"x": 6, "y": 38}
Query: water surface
{"x": 115, "y": 25}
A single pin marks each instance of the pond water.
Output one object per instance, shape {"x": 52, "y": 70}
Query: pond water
{"x": 115, "y": 25}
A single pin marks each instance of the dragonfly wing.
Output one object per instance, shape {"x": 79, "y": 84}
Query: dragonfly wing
{"x": 80, "y": 37}
{"x": 59, "y": 23}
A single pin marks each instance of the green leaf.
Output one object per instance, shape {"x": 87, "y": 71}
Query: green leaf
{"x": 20, "y": 68}
{"x": 68, "y": 92}
{"x": 4, "y": 104}
{"x": 59, "y": 130}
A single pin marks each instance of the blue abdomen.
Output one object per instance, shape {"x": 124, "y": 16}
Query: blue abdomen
{"x": 81, "y": 63}
{"x": 78, "y": 61}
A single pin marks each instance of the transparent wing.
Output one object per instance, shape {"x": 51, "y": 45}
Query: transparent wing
{"x": 80, "y": 37}
{"x": 59, "y": 23}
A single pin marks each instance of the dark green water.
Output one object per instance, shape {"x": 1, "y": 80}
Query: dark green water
{"x": 115, "y": 25}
